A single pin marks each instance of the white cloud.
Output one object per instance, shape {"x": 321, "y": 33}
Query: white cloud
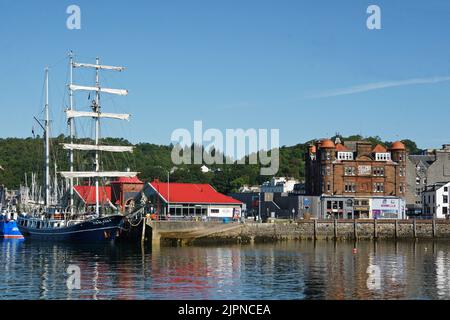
{"x": 378, "y": 85}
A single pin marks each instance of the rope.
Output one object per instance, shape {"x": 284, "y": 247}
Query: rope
{"x": 140, "y": 211}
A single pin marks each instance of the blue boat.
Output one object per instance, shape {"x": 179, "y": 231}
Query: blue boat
{"x": 9, "y": 230}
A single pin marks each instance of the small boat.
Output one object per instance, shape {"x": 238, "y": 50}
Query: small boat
{"x": 8, "y": 214}
{"x": 9, "y": 230}
{"x": 60, "y": 219}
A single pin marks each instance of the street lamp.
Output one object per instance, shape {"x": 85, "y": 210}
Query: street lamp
{"x": 259, "y": 206}
{"x": 168, "y": 192}
{"x": 168, "y": 187}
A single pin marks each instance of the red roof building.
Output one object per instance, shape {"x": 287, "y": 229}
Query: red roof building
{"x": 191, "y": 193}
{"x": 189, "y": 199}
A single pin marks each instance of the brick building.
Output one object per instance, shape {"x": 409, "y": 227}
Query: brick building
{"x": 355, "y": 173}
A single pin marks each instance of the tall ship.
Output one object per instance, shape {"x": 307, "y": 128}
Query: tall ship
{"x": 57, "y": 217}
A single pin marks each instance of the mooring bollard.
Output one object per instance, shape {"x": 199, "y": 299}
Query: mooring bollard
{"x": 375, "y": 229}
{"x": 434, "y": 228}
{"x": 335, "y": 229}
{"x": 396, "y": 229}
{"x": 414, "y": 229}
{"x": 315, "y": 229}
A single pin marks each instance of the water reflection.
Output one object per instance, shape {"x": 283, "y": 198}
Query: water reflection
{"x": 294, "y": 270}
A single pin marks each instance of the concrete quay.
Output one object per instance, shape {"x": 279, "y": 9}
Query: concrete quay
{"x": 186, "y": 232}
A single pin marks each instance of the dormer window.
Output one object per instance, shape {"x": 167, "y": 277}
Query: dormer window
{"x": 383, "y": 156}
{"x": 345, "y": 155}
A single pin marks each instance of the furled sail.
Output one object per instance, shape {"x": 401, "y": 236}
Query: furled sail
{"x": 76, "y": 114}
{"x": 93, "y": 174}
{"x": 97, "y": 66}
{"x": 90, "y": 147}
{"x": 120, "y": 92}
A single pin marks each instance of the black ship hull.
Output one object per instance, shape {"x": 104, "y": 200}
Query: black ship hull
{"x": 96, "y": 229}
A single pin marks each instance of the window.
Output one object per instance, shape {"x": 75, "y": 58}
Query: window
{"x": 378, "y": 171}
{"x": 349, "y": 171}
{"x": 445, "y": 189}
{"x": 345, "y": 155}
{"x": 444, "y": 210}
{"x": 384, "y": 156}
{"x": 445, "y": 199}
{"x": 328, "y": 155}
{"x": 328, "y": 171}
{"x": 350, "y": 187}
{"x": 378, "y": 187}
{"x": 214, "y": 210}
{"x": 328, "y": 186}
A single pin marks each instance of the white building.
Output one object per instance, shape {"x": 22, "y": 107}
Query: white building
{"x": 247, "y": 188}
{"x": 204, "y": 169}
{"x": 280, "y": 184}
{"x": 435, "y": 200}
{"x": 387, "y": 208}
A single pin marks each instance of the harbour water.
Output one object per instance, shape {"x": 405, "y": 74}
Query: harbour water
{"x": 288, "y": 270}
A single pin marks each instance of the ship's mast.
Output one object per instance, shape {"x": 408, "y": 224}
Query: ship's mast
{"x": 96, "y": 114}
{"x": 96, "y": 108}
{"x": 47, "y": 144}
{"x": 55, "y": 185}
{"x": 71, "y": 132}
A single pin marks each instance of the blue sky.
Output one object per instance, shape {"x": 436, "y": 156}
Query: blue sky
{"x": 236, "y": 64}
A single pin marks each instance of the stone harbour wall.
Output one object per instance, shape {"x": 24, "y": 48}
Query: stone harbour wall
{"x": 332, "y": 230}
